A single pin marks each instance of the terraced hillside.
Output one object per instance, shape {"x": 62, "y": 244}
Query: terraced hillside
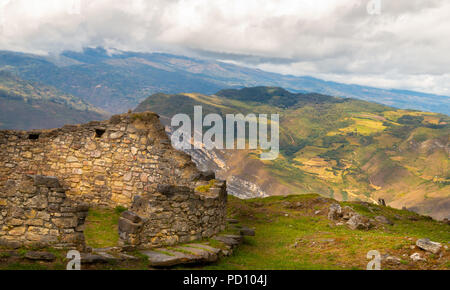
{"x": 342, "y": 148}
{"x": 26, "y": 105}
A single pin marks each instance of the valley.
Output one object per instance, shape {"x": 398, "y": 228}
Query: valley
{"x": 341, "y": 148}
{"x": 26, "y": 105}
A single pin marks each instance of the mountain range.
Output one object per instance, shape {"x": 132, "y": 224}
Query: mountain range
{"x": 341, "y": 148}
{"x": 118, "y": 81}
{"x": 27, "y": 105}
{"x": 348, "y": 142}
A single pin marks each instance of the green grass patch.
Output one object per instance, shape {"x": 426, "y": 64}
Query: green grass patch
{"x": 101, "y": 227}
{"x": 301, "y": 240}
{"x": 207, "y": 187}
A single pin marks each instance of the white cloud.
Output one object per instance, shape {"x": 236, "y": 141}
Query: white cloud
{"x": 406, "y": 46}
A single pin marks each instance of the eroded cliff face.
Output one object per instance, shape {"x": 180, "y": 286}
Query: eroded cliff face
{"x": 238, "y": 184}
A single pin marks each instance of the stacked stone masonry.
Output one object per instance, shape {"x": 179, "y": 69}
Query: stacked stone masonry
{"x": 116, "y": 162}
{"x": 35, "y": 212}
{"x": 175, "y": 214}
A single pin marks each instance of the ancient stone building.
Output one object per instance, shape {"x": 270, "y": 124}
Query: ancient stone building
{"x": 174, "y": 214}
{"x": 34, "y": 211}
{"x": 128, "y": 161}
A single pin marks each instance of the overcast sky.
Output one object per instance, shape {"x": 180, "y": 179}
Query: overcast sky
{"x": 406, "y": 46}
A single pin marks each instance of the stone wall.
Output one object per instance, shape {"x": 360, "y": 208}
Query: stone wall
{"x": 174, "y": 214}
{"x": 127, "y": 160}
{"x": 35, "y": 212}
{"x": 102, "y": 163}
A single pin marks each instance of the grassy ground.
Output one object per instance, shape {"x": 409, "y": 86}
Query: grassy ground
{"x": 10, "y": 260}
{"x": 101, "y": 231}
{"x": 101, "y": 227}
{"x": 296, "y": 238}
{"x": 290, "y": 234}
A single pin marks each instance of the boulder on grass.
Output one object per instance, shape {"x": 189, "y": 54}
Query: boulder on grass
{"x": 335, "y": 212}
{"x": 429, "y": 246}
{"x": 358, "y": 222}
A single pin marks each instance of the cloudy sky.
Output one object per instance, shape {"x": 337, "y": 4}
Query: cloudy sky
{"x": 406, "y": 45}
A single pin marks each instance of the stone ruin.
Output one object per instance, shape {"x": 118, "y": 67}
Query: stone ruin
{"x": 49, "y": 178}
{"x": 35, "y": 212}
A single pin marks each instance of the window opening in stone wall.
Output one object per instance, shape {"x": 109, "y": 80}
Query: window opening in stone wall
{"x": 33, "y": 136}
{"x": 99, "y": 133}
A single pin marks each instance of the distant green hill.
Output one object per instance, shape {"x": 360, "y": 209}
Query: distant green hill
{"x": 25, "y": 105}
{"x": 342, "y": 148}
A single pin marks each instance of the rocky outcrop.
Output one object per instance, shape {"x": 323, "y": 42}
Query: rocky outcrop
{"x": 351, "y": 218}
{"x": 243, "y": 188}
{"x": 358, "y": 222}
{"x": 216, "y": 160}
{"x": 35, "y": 212}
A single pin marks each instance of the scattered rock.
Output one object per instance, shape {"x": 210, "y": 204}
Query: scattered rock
{"x": 327, "y": 240}
{"x": 245, "y": 231}
{"x": 229, "y": 240}
{"x": 416, "y": 257}
{"x": 397, "y": 217}
{"x": 358, "y": 222}
{"x": 392, "y": 260}
{"x": 127, "y": 257}
{"x": 427, "y": 245}
{"x": 40, "y": 256}
{"x": 158, "y": 259}
{"x": 347, "y": 213}
{"x": 108, "y": 257}
{"x": 92, "y": 259}
{"x": 383, "y": 220}
{"x": 232, "y": 221}
{"x": 335, "y": 212}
